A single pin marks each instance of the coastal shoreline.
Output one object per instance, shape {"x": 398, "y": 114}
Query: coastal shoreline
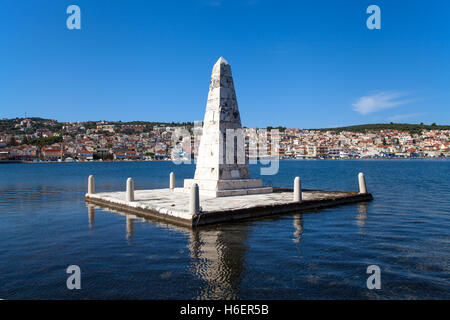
{"x": 128, "y": 161}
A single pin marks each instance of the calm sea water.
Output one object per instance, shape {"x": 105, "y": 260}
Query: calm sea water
{"x": 45, "y": 227}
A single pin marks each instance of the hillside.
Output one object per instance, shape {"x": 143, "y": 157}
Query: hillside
{"x": 13, "y": 126}
{"x": 413, "y": 128}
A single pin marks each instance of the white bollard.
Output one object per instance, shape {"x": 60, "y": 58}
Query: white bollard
{"x": 172, "y": 181}
{"x": 297, "y": 190}
{"x": 91, "y": 185}
{"x": 130, "y": 190}
{"x": 194, "y": 203}
{"x": 362, "y": 183}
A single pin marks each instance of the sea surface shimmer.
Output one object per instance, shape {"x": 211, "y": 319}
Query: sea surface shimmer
{"x": 45, "y": 226}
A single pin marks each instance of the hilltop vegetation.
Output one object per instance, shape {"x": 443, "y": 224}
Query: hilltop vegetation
{"x": 12, "y": 126}
{"x": 412, "y": 128}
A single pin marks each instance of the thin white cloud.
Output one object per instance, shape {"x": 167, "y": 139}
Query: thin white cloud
{"x": 406, "y": 116}
{"x": 380, "y": 100}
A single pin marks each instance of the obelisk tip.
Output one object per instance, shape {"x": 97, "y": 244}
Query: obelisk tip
{"x": 221, "y": 61}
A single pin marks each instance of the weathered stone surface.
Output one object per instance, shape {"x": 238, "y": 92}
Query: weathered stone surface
{"x": 169, "y": 205}
{"x": 172, "y": 180}
{"x": 130, "y": 190}
{"x": 221, "y": 155}
{"x": 362, "y": 183}
{"x": 194, "y": 201}
{"x": 91, "y": 184}
{"x": 297, "y": 190}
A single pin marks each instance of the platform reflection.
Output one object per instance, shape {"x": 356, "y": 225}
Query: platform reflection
{"x": 217, "y": 253}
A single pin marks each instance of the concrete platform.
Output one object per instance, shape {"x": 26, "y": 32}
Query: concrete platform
{"x": 173, "y": 205}
{"x": 226, "y": 188}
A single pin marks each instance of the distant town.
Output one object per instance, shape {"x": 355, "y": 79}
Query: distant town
{"x": 37, "y": 139}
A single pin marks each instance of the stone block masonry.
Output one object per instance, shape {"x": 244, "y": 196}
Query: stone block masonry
{"x": 222, "y": 164}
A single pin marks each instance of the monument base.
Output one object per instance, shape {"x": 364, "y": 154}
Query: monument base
{"x": 172, "y": 205}
{"x": 226, "y": 188}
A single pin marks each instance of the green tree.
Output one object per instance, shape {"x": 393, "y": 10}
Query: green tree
{"x": 41, "y": 142}
{"x": 97, "y": 156}
{"x": 12, "y": 142}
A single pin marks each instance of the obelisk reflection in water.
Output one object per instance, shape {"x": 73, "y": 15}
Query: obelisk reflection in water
{"x": 218, "y": 257}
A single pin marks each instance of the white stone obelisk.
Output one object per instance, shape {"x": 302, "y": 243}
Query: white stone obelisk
{"x": 222, "y": 164}
{"x": 222, "y": 113}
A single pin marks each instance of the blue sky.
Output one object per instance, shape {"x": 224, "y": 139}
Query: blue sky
{"x": 304, "y": 64}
